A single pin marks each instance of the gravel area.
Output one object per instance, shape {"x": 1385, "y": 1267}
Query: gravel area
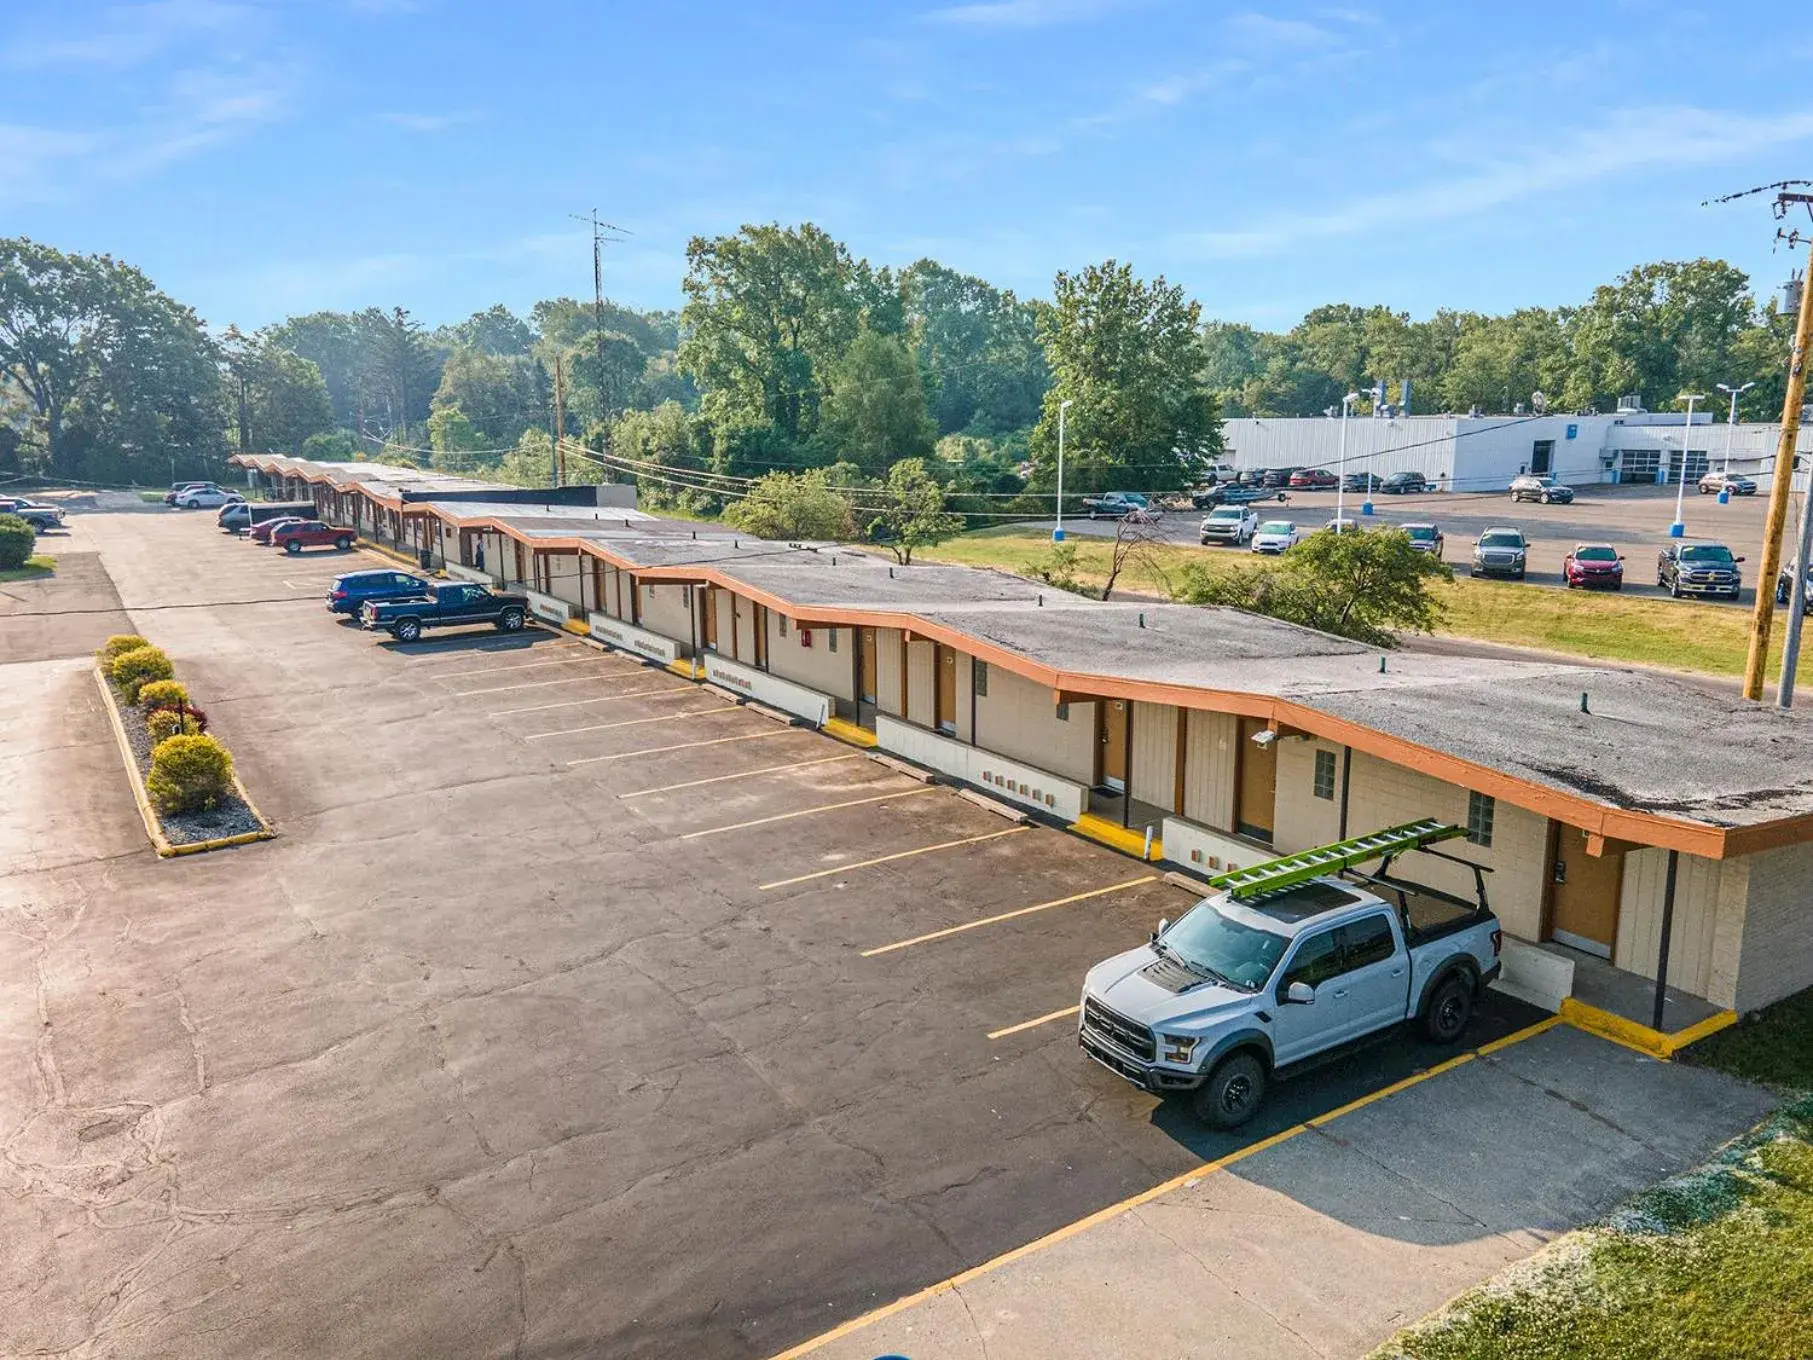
{"x": 231, "y": 818}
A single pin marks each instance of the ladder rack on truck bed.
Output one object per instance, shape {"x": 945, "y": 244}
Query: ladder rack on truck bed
{"x": 1288, "y": 871}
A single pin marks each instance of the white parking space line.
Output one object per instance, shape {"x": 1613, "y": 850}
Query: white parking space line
{"x": 1009, "y": 915}
{"x": 804, "y": 812}
{"x": 689, "y": 745}
{"x": 1033, "y": 1024}
{"x": 884, "y": 859}
{"x": 521, "y": 666}
{"x": 744, "y": 774}
{"x": 597, "y": 699}
{"x": 663, "y": 691}
{"x": 528, "y": 684}
{"x": 630, "y": 722}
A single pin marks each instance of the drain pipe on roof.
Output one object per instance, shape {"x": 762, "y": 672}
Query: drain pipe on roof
{"x": 1668, "y": 923}
{"x": 1346, "y": 783}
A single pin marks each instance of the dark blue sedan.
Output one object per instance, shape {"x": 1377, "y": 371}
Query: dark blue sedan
{"x": 350, "y": 591}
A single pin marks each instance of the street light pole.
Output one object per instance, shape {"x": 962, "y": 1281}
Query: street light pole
{"x": 1057, "y": 532}
{"x": 1731, "y": 419}
{"x": 1341, "y": 476}
{"x": 1679, "y": 527}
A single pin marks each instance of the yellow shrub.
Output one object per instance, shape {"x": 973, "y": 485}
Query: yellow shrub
{"x": 163, "y": 694}
{"x": 139, "y": 667}
{"x": 188, "y": 774}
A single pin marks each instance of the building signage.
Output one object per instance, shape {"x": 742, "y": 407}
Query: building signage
{"x": 630, "y": 638}
{"x": 809, "y": 704}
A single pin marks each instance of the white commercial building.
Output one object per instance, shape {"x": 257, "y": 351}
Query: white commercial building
{"x": 1483, "y": 453}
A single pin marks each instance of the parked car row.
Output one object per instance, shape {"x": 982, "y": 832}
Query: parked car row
{"x": 40, "y": 516}
{"x": 200, "y": 496}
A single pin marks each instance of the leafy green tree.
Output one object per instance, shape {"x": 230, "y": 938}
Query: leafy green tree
{"x": 978, "y": 347}
{"x": 330, "y": 446}
{"x": 673, "y": 443}
{"x": 794, "y": 507}
{"x": 604, "y": 376}
{"x": 912, "y": 513}
{"x": 1499, "y": 361}
{"x": 769, "y": 311}
{"x": 496, "y": 330}
{"x": 1367, "y": 585}
{"x": 17, "y": 539}
{"x": 399, "y": 373}
{"x": 1128, "y": 356}
{"x": 332, "y": 342}
{"x": 456, "y": 440}
{"x": 500, "y": 394}
{"x": 118, "y": 378}
{"x": 275, "y": 399}
{"x": 531, "y": 462}
{"x": 875, "y": 412}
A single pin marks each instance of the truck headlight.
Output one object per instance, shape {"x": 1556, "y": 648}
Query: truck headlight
{"x": 1179, "y": 1048}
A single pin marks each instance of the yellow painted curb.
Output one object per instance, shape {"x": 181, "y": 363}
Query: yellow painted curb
{"x": 1122, "y": 838}
{"x": 849, "y": 733}
{"x": 575, "y": 626}
{"x": 393, "y": 554}
{"x": 687, "y": 670}
{"x": 1113, "y": 1211}
{"x": 154, "y": 828}
{"x": 1652, "y": 1042}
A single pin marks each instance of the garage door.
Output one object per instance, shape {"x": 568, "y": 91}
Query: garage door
{"x": 1639, "y": 465}
{"x": 1696, "y": 465}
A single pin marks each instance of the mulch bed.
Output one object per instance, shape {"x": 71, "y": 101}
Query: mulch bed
{"x": 231, "y": 817}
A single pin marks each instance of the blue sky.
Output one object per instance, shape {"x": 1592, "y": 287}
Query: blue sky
{"x": 259, "y": 159}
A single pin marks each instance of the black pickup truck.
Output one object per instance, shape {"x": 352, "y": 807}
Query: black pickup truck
{"x": 456, "y": 605}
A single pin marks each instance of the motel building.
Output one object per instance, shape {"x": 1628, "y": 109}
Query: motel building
{"x": 1633, "y": 826}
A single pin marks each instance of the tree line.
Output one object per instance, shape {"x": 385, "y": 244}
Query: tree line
{"x": 793, "y": 359}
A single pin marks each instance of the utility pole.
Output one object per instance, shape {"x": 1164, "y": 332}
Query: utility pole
{"x": 603, "y": 234}
{"x": 1781, "y": 485}
{"x": 560, "y": 423}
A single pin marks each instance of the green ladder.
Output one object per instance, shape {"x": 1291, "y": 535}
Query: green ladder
{"x": 1275, "y": 875}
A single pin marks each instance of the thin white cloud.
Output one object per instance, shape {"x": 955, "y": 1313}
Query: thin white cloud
{"x": 1023, "y": 13}
{"x": 1630, "y": 140}
{"x": 126, "y": 36}
{"x": 430, "y": 122}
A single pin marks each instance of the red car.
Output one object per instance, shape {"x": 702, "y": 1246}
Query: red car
{"x": 296, "y": 534}
{"x": 261, "y": 532}
{"x": 1314, "y": 479}
{"x": 1593, "y": 566}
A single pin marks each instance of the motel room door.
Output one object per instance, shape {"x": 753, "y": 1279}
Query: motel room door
{"x": 1111, "y": 742}
{"x": 866, "y": 666}
{"x": 944, "y": 712}
{"x": 1583, "y": 912}
{"x": 1256, "y": 786}
{"x": 708, "y": 620}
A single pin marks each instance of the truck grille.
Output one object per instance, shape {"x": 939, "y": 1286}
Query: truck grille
{"x": 1118, "y": 1030}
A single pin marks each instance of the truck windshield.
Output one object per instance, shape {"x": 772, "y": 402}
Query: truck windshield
{"x": 1227, "y": 512}
{"x": 1716, "y": 554}
{"x": 1213, "y": 944}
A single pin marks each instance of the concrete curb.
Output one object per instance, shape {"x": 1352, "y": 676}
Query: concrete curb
{"x": 901, "y": 767}
{"x": 1652, "y": 1042}
{"x": 154, "y": 828}
{"x": 996, "y": 806}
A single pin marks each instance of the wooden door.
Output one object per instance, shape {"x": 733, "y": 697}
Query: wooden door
{"x": 1584, "y": 907}
{"x": 1256, "y": 787}
{"x": 865, "y": 677}
{"x": 708, "y": 625}
{"x": 944, "y": 711}
{"x": 1111, "y": 731}
{"x": 761, "y": 637}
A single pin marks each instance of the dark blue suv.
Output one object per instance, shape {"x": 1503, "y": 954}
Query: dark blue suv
{"x": 350, "y": 591}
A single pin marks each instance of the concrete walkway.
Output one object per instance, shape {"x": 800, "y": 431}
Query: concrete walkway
{"x": 1324, "y": 1241}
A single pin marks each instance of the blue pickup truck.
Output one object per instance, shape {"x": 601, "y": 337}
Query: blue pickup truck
{"x": 456, "y": 605}
{"x": 1290, "y": 962}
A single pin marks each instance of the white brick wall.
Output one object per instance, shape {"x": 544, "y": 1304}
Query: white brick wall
{"x": 1777, "y": 941}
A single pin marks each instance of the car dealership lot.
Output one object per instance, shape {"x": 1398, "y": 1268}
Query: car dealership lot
{"x": 576, "y": 1010}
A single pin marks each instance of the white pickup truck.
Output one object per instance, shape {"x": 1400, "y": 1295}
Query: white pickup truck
{"x": 1287, "y": 963}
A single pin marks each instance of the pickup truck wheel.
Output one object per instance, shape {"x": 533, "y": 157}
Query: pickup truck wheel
{"x": 406, "y": 630}
{"x": 1232, "y": 1093}
{"x": 510, "y": 620}
{"x": 1449, "y": 1009}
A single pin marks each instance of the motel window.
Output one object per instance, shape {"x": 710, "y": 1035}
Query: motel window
{"x": 979, "y": 677}
{"x": 831, "y": 638}
{"x": 651, "y": 593}
{"x": 686, "y": 596}
{"x": 1063, "y": 712}
{"x": 1480, "y": 811}
{"x": 783, "y": 623}
{"x": 1325, "y": 774}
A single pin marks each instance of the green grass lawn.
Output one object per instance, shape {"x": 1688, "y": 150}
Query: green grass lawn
{"x": 1710, "y": 1265}
{"x": 36, "y": 566}
{"x": 1676, "y": 633}
{"x": 1774, "y": 1046}
{"x": 152, "y": 497}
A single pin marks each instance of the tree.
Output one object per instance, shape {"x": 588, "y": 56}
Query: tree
{"x": 275, "y": 399}
{"x": 769, "y": 311}
{"x": 673, "y": 443}
{"x": 1136, "y": 541}
{"x": 531, "y": 463}
{"x": 1365, "y": 584}
{"x": 500, "y": 394}
{"x": 978, "y": 348}
{"x": 912, "y": 513}
{"x": 456, "y": 440}
{"x": 119, "y": 379}
{"x": 875, "y": 413}
{"x": 496, "y": 330}
{"x": 793, "y": 506}
{"x": 1127, "y": 356}
{"x": 399, "y": 374}
{"x": 333, "y": 342}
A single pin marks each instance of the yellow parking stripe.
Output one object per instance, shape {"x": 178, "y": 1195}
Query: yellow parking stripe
{"x": 885, "y": 859}
{"x": 689, "y": 745}
{"x": 600, "y": 699}
{"x": 1033, "y": 1024}
{"x": 632, "y": 722}
{"x": 740, "y": 774}
{"x": 1113, "y": 1211}
{"x": 1010, "y": 915}
{"x": 803, "y": 812}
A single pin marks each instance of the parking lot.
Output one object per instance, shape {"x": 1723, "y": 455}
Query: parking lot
{"x": 576, "y": 1010}
{"x": 1634, "y": 519}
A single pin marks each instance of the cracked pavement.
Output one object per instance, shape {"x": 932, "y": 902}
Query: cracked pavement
{"x": 480, "y": 1058}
